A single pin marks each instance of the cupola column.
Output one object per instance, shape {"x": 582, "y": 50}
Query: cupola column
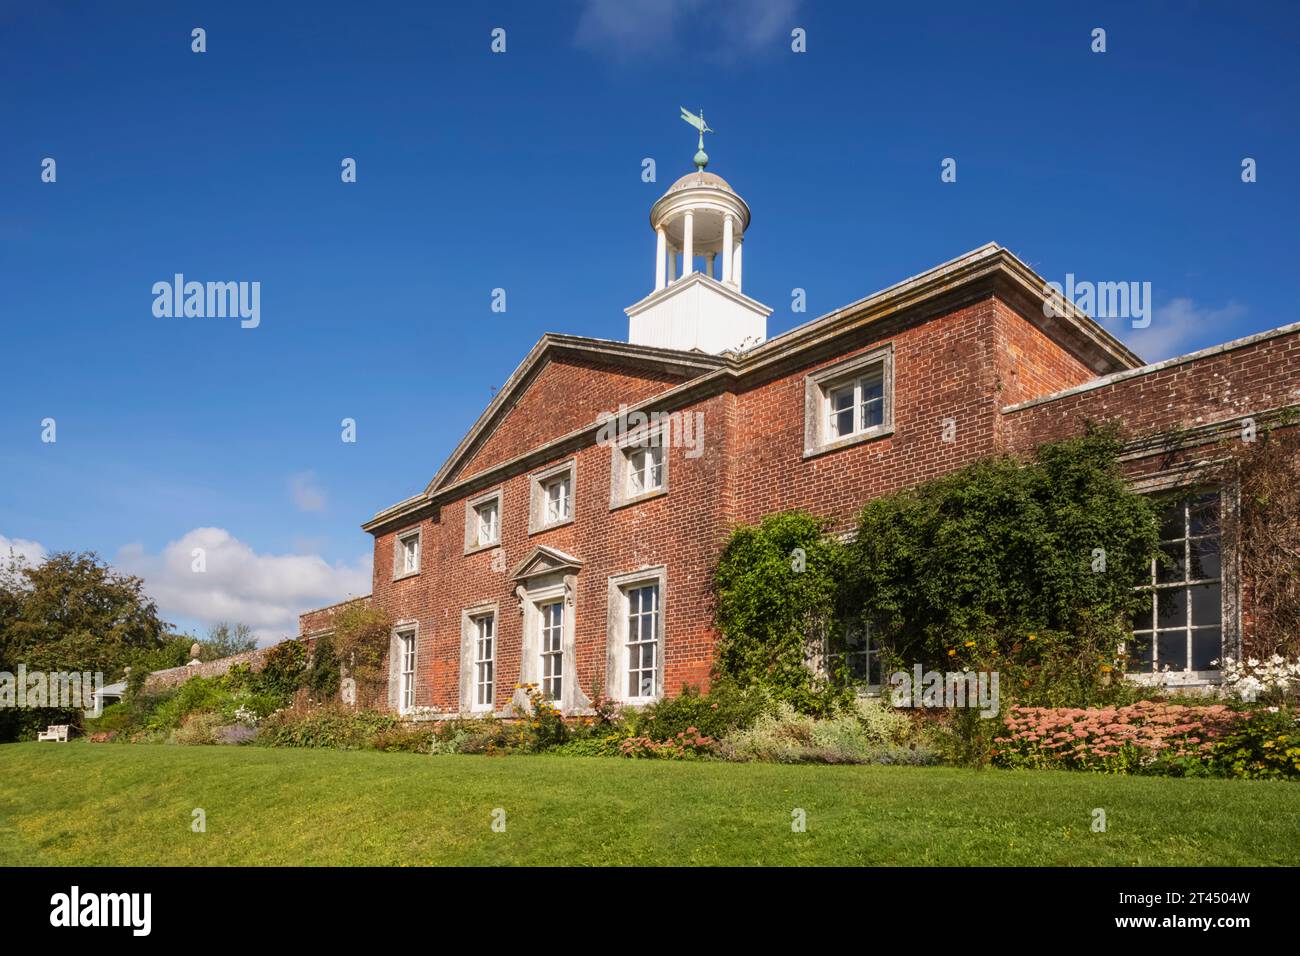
{"x": 738, "y": 262}
{"x": 661, "y": 258}
{"x": 688, "y": 244}
{"x": 727, "y": 240}
{"x": 708, "y": 265}
{"x": 672, "y": 264}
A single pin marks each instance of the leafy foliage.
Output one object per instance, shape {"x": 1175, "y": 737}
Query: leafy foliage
{"x": 777, "y": 588}
{"x": 322, "y": 678}
{"x": 1264, "y": 746}
{"x": 332, "y": 725}
{"x": 725, "y": 708}
{"x": 1027, "y": 568}
{"x": 866, "y": 733}
{"x": 72, "y": 612}
{"x": 360, "y": 641}
{"x": 284, "y": 669}
{"x": 225, "y": 640}
{"x": 1001, "y": 550}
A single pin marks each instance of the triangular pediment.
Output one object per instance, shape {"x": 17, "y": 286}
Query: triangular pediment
{"x": 543, "y": 560}
{"x": 562, "y": 365}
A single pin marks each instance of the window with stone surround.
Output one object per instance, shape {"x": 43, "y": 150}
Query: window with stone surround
{"x": 551, "y": 650}
{"x": 484, "y": 661}
{"x": 406, "y": 554}
{"x": 639, "y": 469}
{"x": 849, "y": 402}
{"x": 551, "y": 498}
{"x": 406, "y": 679}
{"x": 483, "y": 521}
{"x": 635, "y": 655}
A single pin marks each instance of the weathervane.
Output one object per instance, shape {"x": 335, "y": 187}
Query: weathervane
{"x": 701, "y": 157}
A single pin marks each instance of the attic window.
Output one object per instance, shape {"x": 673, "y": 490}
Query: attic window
{"x": 483, "y": 521}
{"x": 849, "y": 402}
{"x": 552, "y": 492}
{"x": 645, "y": 470}
{"x": 406, "y": 554}
{"x": 639, "y": 469}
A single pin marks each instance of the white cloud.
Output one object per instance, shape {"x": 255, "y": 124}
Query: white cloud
{"x": 265, "y": 591}
{"x": 304, "y": 492}
{"x": 33, "y": 552}
{"x": 727, "y": 28}
{"x": 1176, "y": 325}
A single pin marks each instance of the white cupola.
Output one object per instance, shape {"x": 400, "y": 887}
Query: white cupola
{"x": 699, "y": 305}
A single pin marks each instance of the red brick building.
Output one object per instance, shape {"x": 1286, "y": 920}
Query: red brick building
{"x": 568, "y": 540}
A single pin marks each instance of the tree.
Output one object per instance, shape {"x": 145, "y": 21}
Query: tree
{"x": 73, "y": 612}
{"x": 225, "y": 639}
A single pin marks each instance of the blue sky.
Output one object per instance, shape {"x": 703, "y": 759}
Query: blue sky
{"x": 522, "y": 171}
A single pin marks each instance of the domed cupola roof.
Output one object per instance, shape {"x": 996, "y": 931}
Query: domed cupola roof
{"x": 700, "y": 178}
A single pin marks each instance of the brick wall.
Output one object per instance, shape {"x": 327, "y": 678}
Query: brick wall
{"x": 1260, "y": 374}
{"x": 683, "y": 530}
{"x": 982, "y": 365}
{"x": 943, "y": 369}
{"x": 565, "y": 395}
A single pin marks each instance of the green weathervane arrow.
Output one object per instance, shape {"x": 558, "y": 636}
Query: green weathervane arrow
{"x": 701, "y": 157}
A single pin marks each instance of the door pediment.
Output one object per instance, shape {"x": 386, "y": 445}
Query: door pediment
{"x": 542, "y": 561}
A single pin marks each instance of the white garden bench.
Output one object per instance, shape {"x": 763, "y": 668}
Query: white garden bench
{"x": 55, "y": 732}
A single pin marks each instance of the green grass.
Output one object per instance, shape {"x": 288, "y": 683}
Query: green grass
{"x": 91, "y": 804}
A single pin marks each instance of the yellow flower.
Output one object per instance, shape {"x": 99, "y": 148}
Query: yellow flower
{"x": 970, "y": 643}
{"x": 1033, "y": 637}
{"x": 1105, "y": 668}
{"x": 951, "y": 652}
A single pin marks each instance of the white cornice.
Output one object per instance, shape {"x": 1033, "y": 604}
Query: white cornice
{"x": 1155, "y": 367}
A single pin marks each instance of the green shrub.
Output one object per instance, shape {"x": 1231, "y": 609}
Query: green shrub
{"x": 866, "y": 733}
{"x": 406, "y": 738}
{"x": 541, "y": 725}
{"x": 969, "y": 565}
{"x": 725, "y": 708}
{"x": 196, "y": 695}
{"x": 202, "y": 728}
{"x": 322, "y": 678}
{"x": 1266, "y": 745}
{"x": 777, "y": 587}
{"x": 116, "y": 717}
{"x": 475, "y": 735}
{"x": 607, "y": 745}
{"x": 329, "y": 725}
{"x": 250, "y": 707}
{"x": 284, "y": 669}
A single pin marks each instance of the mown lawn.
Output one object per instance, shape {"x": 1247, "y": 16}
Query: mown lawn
{"x": 90, "y": 804}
